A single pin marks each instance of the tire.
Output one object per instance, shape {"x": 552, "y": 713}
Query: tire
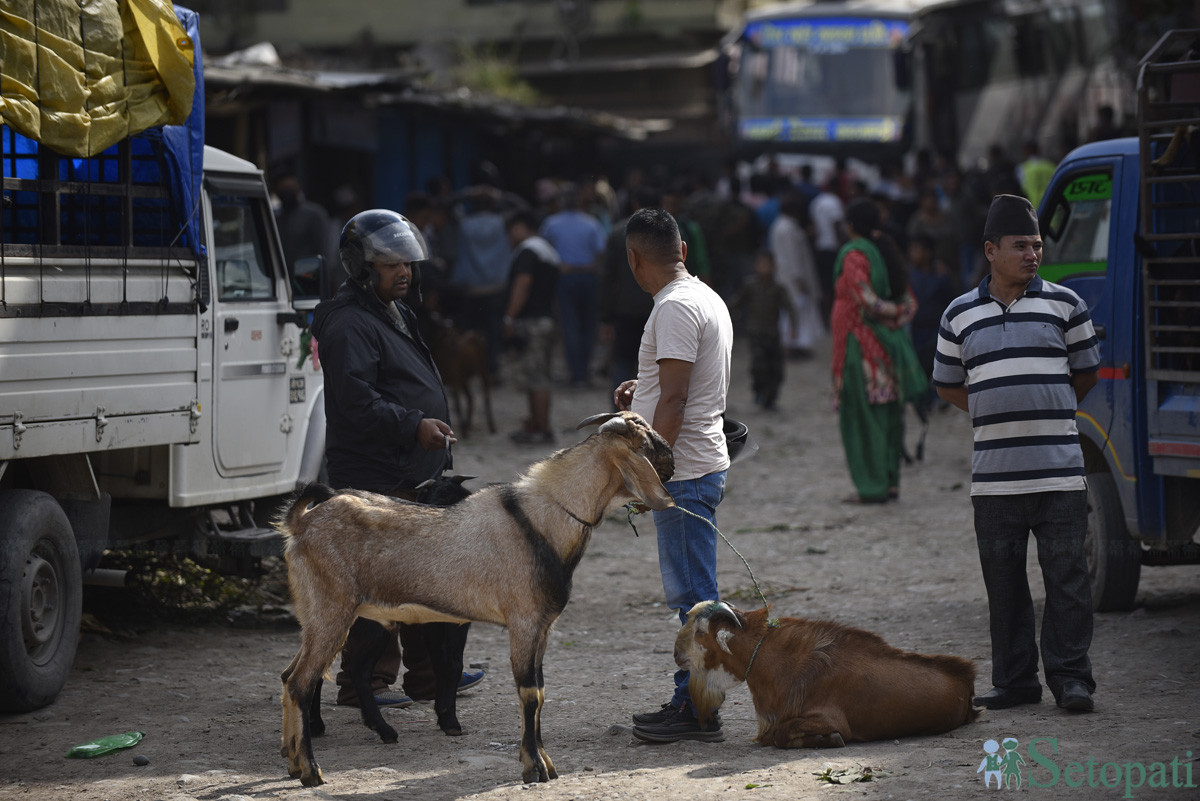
{"x": 41, "y": 599}
{"x": 1114, "y": 558}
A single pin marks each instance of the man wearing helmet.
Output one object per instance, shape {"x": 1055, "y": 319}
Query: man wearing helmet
{"x": 387, "y": 418}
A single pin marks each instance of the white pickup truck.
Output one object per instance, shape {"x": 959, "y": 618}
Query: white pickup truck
{"x": 156, "y": 386}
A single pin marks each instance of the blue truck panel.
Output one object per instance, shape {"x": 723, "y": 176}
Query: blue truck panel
{"x": 1121, "y": 227}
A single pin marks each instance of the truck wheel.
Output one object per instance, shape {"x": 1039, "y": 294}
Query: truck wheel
{"x": 1114, "y": 558}
{"x": 41, "y": 599}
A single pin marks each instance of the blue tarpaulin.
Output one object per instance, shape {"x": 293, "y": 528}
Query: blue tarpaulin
{"x": 185, "y": 143}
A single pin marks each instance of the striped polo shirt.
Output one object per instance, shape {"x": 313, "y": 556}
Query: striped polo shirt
{"x": 1017, "y": 362}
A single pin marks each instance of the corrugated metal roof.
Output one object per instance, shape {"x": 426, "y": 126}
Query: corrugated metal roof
{"x": 399, "y": 88}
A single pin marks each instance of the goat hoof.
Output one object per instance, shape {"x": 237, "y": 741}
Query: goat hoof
{"x": 316, "y": 728}
{"x": 388, "y": 735}
{"x": 453, "y": 732}
{"x": 536, "y": 773}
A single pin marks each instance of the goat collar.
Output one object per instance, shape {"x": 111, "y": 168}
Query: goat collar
{"x": 772, "y": 623}
{"x": 579, "y": 519}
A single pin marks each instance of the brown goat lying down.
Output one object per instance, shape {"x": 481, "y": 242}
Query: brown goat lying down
{"x": 818, "y": 684}
{"x": 503, "y": 555}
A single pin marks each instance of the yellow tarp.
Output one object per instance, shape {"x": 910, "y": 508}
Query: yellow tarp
{"x": 81, "y": 75}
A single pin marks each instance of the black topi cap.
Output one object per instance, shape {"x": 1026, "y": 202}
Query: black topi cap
{"x": 1011, "y": 215}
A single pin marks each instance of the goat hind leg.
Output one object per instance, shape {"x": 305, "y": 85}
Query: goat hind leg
{"x": 319, "y": 643}
{"x": 446, "y": 643}
{"x": 365, "y": 644}
{"x": 293, "y": 723}
{"x": 487, "y": 400}
{"x": 814, "y": 729}
{"x": 298, "y": 696}
{"x": 289, "y": 745}
{"x": 316, "y": 724}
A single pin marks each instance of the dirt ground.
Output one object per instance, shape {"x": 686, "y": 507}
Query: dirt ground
{"x": 207, "y": 696}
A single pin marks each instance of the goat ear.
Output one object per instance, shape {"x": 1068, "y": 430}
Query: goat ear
{"x": 660, "y": 455}
{"x": 597, "y": 419}
{"x": 642, "y": 481}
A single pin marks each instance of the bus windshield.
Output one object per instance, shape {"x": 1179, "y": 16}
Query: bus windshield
{"x": 821, "y": 80}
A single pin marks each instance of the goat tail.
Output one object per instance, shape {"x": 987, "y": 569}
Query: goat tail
{"x": 299, "y": 503}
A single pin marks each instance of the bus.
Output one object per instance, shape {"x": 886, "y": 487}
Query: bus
{"x": 881, "y": 79}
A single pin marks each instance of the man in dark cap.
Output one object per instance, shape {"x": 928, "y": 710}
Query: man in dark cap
{"x": 1019, "y": 354}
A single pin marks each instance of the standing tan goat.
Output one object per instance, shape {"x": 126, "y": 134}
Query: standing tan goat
{"x": 503, "y": 555}
{"x": 819, "y": 684}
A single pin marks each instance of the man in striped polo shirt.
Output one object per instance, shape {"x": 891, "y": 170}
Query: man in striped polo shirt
{"x": 1019, "y": 354}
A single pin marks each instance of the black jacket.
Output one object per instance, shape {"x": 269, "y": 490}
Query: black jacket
{"x": 379, "y": 384}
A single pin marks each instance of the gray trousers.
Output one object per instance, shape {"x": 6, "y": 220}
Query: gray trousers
{"x": 1058, "y": 521}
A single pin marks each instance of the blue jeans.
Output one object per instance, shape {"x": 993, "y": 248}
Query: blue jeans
{"x": 687, "y": 551}
{"x": 579, "y": 316}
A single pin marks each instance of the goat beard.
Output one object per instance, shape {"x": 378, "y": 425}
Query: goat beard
{"x": 707, "y": 690}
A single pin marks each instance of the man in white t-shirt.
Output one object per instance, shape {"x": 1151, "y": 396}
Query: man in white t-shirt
{"x": 682, "y": 383}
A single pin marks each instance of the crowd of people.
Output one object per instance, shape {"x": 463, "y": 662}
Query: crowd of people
{"x": 887, "y": 270}
{"x": 747, "y": 237}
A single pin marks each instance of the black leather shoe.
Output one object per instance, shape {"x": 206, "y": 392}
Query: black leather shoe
{"x": 1076, "y": 697}
{"x": 1002, "y": 698}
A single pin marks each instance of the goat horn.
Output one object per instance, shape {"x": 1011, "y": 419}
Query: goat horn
{"x": 597, "y": 419}
{"x": 719, "y": 610}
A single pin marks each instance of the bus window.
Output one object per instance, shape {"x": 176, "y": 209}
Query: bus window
{"x": 842, "y": 77}
{"x": 821, "y": 80}
{"x": 1029, "y": 45}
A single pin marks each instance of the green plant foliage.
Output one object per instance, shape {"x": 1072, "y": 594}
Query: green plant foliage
{"x": 861, "y": 773}
{"x": 486, "y": 72}
{"x": 176, "y": 588}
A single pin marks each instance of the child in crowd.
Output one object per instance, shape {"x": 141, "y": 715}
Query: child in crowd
{"x": 763, "y": 302}
{"x": 933, "y": 287}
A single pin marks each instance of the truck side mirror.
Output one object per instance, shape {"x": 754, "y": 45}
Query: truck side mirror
{"x": 308, "y": 266}
{"x": 307, "y": 277}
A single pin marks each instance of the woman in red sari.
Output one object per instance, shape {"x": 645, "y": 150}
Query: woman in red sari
{"x": 875, "y": 368}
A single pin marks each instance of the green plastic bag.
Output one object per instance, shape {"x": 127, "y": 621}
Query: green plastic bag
{"x": 105, "y": 745}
